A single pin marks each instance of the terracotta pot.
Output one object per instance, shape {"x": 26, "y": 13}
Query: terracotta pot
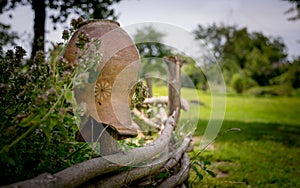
{"x": 108, "y": 98}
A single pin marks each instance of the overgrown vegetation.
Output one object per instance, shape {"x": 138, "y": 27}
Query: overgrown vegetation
{"x": 38, "y": 118}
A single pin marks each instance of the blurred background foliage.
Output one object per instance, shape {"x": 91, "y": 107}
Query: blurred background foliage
{"x": 251, "y": 59}
{"x": 251, "y": 62}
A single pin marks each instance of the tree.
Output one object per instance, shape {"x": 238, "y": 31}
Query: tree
{"x": 294, "y": 9}
{"x": 194, "y": 73}
{"x": 293, "y": 76}
{"x": 7, "y": 37}
{"x": 151, "y": 48}
{"x": 96, "y": 9}
{"x": 239, "y": 51}
{"x": 150, "y": 45}
{"x": 266, "y": 58}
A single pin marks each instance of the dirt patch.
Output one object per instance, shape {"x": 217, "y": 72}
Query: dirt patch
{"x": 221, "y": 174}
{"x": 222, "y": 168}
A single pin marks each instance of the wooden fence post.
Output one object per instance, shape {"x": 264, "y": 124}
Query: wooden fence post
{"x": 93, "y": 131}
{"x": 149, "y": 85}
{"x": 174, "y": 64}
{"x": 108, "y": 141}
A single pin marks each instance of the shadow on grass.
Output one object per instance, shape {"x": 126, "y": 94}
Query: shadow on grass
{"x": 289, "y": 135}
{"x": 259, "y": 155}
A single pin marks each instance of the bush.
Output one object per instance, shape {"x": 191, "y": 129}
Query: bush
{"x": 275, "y": 90}
{"x": 202, "y": 86}
{"x": 296, "y": 92}
{"x": 248, "y": 83}
{"x": 38, "y": 118}
{"x": 37, "y": 122}
{"x": 237, "y": 83}
{"x": 241, "y": 82}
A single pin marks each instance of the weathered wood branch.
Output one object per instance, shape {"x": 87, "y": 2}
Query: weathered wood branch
{"x": 181, "y": 176}
{"x": 128, "y": 177}
{"x": 162, "y": 113}
{"x": 142, "y": 154}
{"x": 164, "y": 100}
{"x": 80, "y": 173}
{"x": 137, "y": 173}
{"x": 178, "y": 154}
{"x": 183, "y": 186}
{"x": 72, "y": 176}
{"x": 141, "y": 117}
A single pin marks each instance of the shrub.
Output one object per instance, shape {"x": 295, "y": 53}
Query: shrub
{"x": 248, "y": 82}
{"x": 275, "y": 90}
{"x": 237, "y": 83}
{"x": 241, "y": 82}
{"x": 296, "y": 92}
{"x": 202, "y": 86}
{"x": 38, "y": 121}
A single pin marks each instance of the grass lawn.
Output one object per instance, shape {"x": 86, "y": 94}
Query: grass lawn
{"x": 264, "y": 153}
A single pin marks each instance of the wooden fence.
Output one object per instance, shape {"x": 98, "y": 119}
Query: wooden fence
{"x": 106, "y": 171}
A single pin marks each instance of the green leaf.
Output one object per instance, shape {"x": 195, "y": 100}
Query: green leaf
{"x": 60, "y": 83}
{"x": 47, "y": 132}
{"x": 211, "y": 173}
{"x": 7, "y": 159}
{"x": 24, "y": 69}
{"x": 29, "y": 120}
{"x": 162, "y": 175}
{"x": 69, "y": 95}
{"x": 198, "y": 163}
{"x": 141, "y": 141}
{"x": 199, "y": 175}
{"x": 62, "y": 130}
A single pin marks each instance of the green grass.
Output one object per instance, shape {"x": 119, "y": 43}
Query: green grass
{"x": 264, "y": 153}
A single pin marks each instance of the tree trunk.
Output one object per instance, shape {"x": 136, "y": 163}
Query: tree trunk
{"x": 39, "y": 8}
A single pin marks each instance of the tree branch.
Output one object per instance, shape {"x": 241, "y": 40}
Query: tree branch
{"x": 155, "y": 167}
{"x": 162, "y": 113}
{"x": 174, "y": 159}
{"x": 181, "y": 176}
{"x": 141, "y": 117}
